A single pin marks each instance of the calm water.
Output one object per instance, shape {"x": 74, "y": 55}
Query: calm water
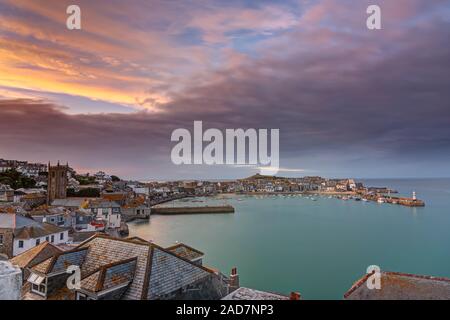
{"x": 318, "y": 248}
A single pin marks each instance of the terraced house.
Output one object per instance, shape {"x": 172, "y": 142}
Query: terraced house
{"x": 130, "y": 269}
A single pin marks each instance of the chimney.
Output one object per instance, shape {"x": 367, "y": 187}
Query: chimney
{"x": 234, "y": 279}
{"x": 294, "y": 296}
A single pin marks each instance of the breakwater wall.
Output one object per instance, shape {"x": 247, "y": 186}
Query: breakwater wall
{"x": 193, "y": 210}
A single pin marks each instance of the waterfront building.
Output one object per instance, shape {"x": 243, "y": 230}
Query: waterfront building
{"x": 107, "y": 211}
{"x": 136, "y": 209}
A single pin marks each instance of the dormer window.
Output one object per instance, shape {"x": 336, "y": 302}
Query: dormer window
{"x": 38, "y": 284}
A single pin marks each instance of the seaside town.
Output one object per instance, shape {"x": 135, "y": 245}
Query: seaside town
{"x": 52, "y": 217}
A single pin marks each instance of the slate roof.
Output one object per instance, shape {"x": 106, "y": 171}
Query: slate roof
{"x": 101, "y": 203}
{"x": 35, "y": 255}
{"x": 69, "y": 202}
{"x": 110, "y": 276}
{"x": 60, "y": 262}
{"x": 26, "y": 228}
{"x": 243, "y": 293}
{"x": 401, "y": 286}
{"x": 169, "y": 274}
{"x": 157, "y": 272}
{"x": 14, "y": 221}
{"x": 185, "y": 251}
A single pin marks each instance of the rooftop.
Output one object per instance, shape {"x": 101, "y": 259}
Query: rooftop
{"x": 157, "y": 271}
{"x": 401, "y": 286}
{"x": 27, "y": 258}
{"x": 15, "y": 221}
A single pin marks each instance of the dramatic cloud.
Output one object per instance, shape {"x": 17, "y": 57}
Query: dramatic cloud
{"x": 347, "y": 101}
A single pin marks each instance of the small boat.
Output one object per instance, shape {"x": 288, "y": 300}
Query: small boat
{"x": 381, "y": 200}
{"x": 357, "y": 199}
{"x": 313, "y": 199}
{"x": 344, "y": 198}
{"x": 364, "y": 199}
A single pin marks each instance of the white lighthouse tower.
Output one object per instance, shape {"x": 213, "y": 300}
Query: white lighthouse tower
{"x": 414, "y": 196}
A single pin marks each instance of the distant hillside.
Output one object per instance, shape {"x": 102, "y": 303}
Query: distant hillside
{"x": 260, "y": 177}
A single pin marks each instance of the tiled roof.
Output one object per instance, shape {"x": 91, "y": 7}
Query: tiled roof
{"x": 46, "y": 249}
{"x": 401, "y": 286}
{"x": 243, "y": 293}
{"x": 185, "y": 251}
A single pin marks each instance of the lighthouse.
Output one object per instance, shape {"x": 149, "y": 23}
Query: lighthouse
{"x": 414, "y": 196}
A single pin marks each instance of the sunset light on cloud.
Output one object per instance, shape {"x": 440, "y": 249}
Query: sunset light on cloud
{"x": 138, "y": 69}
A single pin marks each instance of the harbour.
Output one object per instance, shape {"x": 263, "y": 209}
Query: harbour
{"x": 317, "y": 244}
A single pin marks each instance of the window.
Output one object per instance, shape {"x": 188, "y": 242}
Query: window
{"x": 138, "y": 211}
{"x": 53, "y": 238}
{"x": 38, "y": 241}
{"x": 61, "y": 236}
{"x": 20, "y": 244}
{"x": 47, "y": 239}
{"x": 105, "y": 211}
{"x": 39, "y": 289}
{"x": 1, "y": 239}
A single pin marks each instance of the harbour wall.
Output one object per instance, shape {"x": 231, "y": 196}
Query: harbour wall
{"x": 192, "y": 210}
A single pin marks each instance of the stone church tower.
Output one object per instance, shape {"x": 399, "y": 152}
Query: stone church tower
{"x": 57, "y": 182}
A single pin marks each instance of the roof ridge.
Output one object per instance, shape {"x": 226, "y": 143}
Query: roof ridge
{"x": 416, "y": 276}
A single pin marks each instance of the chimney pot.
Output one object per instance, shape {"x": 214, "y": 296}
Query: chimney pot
{"x": 294, "y": 296}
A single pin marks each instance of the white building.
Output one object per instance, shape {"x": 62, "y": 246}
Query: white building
{"x": 107, "y": 211}
{"x": 19, "y": 234}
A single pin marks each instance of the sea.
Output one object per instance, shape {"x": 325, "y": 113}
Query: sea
{"x": 316, "y": 247}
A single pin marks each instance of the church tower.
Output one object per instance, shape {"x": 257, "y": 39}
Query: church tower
{"x": 57, "y": 182}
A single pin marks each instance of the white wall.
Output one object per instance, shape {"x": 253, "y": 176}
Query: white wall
{"x": 112, "y": 219}
{"x": 31, "y": 243}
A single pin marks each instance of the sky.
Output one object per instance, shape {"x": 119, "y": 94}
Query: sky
{"x": 349, "y": 102}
